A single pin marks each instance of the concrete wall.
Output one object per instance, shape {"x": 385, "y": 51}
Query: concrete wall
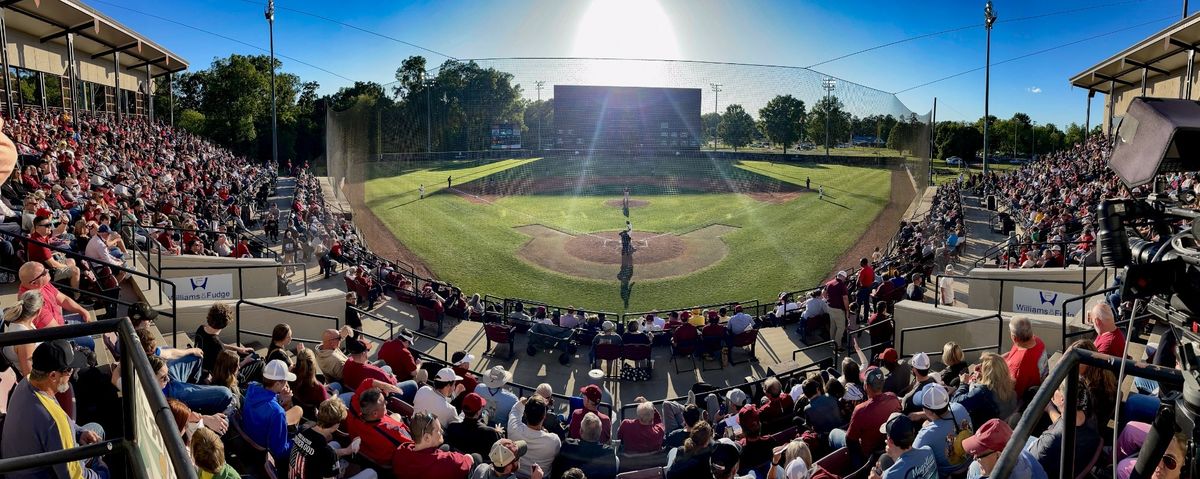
{"x": 984, "y": 294}
{"x": 191, "y": 314}
{"x": 1165, "y": 86}
{"x": 257, "y": 283}
{"x": 911, "y": 314}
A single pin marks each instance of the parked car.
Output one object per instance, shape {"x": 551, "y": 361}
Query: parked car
{"x": 954, "y": 160}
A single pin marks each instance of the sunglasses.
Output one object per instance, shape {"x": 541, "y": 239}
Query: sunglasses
{"x": 40, "y": 225}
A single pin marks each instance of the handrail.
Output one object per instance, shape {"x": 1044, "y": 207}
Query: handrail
{"x": 241, "y": 301}
{"x": 239, "y": 268}
{"x": 261, "y": 334}
{"x": 1080, "y": 298}
{"x": 391, "y": 324}
{"x": 1003, "y": 246}
{"x": 815, "y": 346}
{"x": 71, "y": 254}
{"x": 999, "y": 330}
{"x": 726, "y": 304}
{"x": 999, "y": 297}
{"x": 549, "y": 307}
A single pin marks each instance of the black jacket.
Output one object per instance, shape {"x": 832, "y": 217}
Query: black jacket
{"x": 471, "y": 437}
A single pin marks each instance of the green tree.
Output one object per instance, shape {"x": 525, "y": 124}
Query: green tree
{"x": 191, "y": 121}
{"x": 957, "y": 139}
{"x": 539, "y": 115}
{"x": 709, "y": 123}
{"x": 736, "y": 128}
{"x": 782, "y": 120}
{"x": 370, "y": 92}
{"x": 409, "y": 77}
{"x": 839, "y": 121}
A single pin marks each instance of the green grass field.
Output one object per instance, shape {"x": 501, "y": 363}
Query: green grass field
{"x": 778, "y": 246}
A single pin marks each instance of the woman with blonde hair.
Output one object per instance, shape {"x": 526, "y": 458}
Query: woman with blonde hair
{"x": 692, "y": 457}
{"x": 782, "y": 464}
{"x": 987, "y": 391}
{"x": 956, "y": 364}
{"x": 307, "y": 390}
{"x": 20, "y": 318}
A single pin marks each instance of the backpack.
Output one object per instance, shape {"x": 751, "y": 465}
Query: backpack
{"x": 956, "y": 455}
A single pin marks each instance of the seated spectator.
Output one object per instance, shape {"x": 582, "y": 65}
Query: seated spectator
{"x": 208, "y": 452}
{"x": 716, "y": 337}
{"x": 726, "y": 416}
{"x": 864, "y": 435}
{"x": 381, "y": 433}
{"x": 692, "y": 415}
{"x": 691, "y": 460}
{"x": 756, "y": 448}
{"x": 956, "y": 365}
{"x": 944, "y": 421}
{"x": 499, "y": 400}
{"x": 634, "y": 335}
{"x": 330, "y": 357}
{"x": 778, "y": 404}
{"x": 308, "y": 392}
{"x": 20, "y": 318}
{"x": 314, "y": 453}
{"x": 434, "y": 398}
{"x": 505, "y": 458}
{"x": 263, "y": 417}
{"x": 1102, "y": 385}
{"x": 526, "y": 423}
{"x": 1027, "y": 360}
{"x": 1110, "y": 339}
{"x": 911, "y": 462}
{"x": 822, "y": 413}
{"x": 645, "y": 433}
{"x": 358, "y": 367}
{"x": 396, "y": 354}
{"x": 791, "y": 461}
{"x": 986, "y": 390}
{"x": 898, "y": 376}
{"x": 472, "y": 435}
{"x": 916, "y": 289}
{"x": 281, "y": 338}
{"x": 208, "y": 335}
{"x": 726, "y": 460}
{"x": 180, "y": 374}
{"x": 461, "y": 362}
{"x": 426, "y": 454}
{"x": 35, "y": 414}
{"x": 608, "y": 335}
{"x": 740, "y": 321}
{"x": 592, "y": 396}
{"x": 985, "y": 446}
{"x": 1048, "y": 447}
{"x": 58, "y": 266}
{"x": 814, "y": 306}
{"x": 920, "y": 368}
{"x": 596, "y": 458}
{"x": 35, "y": 277}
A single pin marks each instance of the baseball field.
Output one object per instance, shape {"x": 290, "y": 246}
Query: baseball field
{"x": 701, "y": 231}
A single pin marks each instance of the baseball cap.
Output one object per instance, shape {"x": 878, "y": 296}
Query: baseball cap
{"x": 472, "y": 403}
{"x": 461, "y": 357}
{"x": 57, "y": 355}
{"x": 496, "y": 377}
{"x": 446, "y": 375}
{"x": 592, "y": 392}
{"x": 736, "y": 396}
{"x": 738, "y": 308}
{"x": 873, "y": 377}
{"x": 277, "y": 370}
{"x": 920, "y": 361}
{"x": 507, "y": 451}
{"x": 748, "y": 417}
{"x": 899, "y": 428}
{"x": 932, "y": 396}
{"x": 796, "y": 469}
{"x": 141, "y": 311}
{"x": 104, "y": 229}
{"x": 991, "y": 436}
{"x": 890, "y": 355}
{"x": 725, "y": 456}
{"x": 841, "y": 274}
{"x": 356, "y": 346}
{"x": 405, "y": 335}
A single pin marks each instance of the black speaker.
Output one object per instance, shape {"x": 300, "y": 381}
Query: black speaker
{"x": 991, "y": 202}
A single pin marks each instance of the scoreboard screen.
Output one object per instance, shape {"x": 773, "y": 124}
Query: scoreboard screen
{"x": 506, "y": 136}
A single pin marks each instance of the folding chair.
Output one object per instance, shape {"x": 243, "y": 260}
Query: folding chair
{"x": 498, "y": 333}
{"x": 607, "y": 352}
{"x": 746, "y": 338}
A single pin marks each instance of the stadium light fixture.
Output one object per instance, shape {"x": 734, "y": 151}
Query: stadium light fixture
{"x": 828, "y": 84}
{"x": 989, "y": 18}
{"x": 270, "y": 15}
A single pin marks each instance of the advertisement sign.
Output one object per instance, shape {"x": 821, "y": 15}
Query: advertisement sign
{"x": 1038, "y": 301}
{"x": 208, "y": 287}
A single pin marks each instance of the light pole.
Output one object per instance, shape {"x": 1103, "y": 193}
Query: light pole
{"x": 828, "y": 84}
{"x": 716, "y": 88}
{"x": 428, "y": 115}
{"x": 540, "y": 84}
{"x": 989, "y": 17}
{"x": 1033, "y": 139}
{"x": 274, "y": 132}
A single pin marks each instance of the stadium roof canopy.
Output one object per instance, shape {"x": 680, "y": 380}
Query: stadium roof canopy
{"x": 95, "y": 33}
{"x": 1162, "y": 54}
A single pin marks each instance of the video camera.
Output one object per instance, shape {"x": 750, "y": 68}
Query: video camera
{"x": 1155, "y": 240}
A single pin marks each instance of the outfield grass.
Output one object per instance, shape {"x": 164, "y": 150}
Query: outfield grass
{"x": 777, "y": 246}
{"x": 818, "y": 151}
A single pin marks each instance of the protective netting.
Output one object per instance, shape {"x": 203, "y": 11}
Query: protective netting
{"x": 347, "y": 142}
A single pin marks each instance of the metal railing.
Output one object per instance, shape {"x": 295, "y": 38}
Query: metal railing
{"x": 999, "y": 296}
{"x": 1080, "y": 298}
{"x": 238, "y": 316}
{"x": 1003, "y": 247}
{"x": 999, "y": 331}
{"x": 133, "y": 362}
{"x": 240, "y": 268}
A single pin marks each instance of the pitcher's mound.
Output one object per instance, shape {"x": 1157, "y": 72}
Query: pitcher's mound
{"x": 617, "y": 203}
{"x": 648, "y": 247}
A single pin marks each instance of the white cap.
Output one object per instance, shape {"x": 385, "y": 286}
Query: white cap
{"x": 796, "y": 469}
{"x": 932, "y": 396}
{"x": 841, "y": 274}
{"x": 920, "y": 361}
{"x": 469, "y": 358}
{"x": 277, "y": 370}
{"x": 736, "y": 396}
{"x": 446, "y": 375}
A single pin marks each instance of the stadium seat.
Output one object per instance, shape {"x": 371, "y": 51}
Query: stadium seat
{"x": 684, "y": 347}
{"x": 740, "y": 341}
{"x": 713, "y": 345}
{"x": 253, "y": 455}
{"x": 651, "y": 473}
{"x": 636, "y": 353}
{"x": 607, "y": 352}
{"x": 428, "y": 314}
{"x": 499, "y": 333}
{"x": 818, "y": 325}
{"x": 638, "y": 462}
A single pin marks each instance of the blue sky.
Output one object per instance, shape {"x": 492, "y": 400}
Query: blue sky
{"x": 777, "y": 32}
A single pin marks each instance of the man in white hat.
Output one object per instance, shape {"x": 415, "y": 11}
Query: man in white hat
{"x": 943, "y": 423}
{"x": 499, "y": 399}
{"x": 921, "y": 375}
{"x": 434, "y": 398}
{"x": 263, "y": 417}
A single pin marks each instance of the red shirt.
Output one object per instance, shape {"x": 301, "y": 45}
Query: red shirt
{"x": 396, "y": 354}
{"x": 468, "y": 380}
{"x": 776, "y": 407}
{"x": 37, "y": 252}
{"x": 354, "y": 373}
{"x": 577, "y": 420}
{"x": 836, "y": 292}
{"x": 51, "y": 313}
{"x": 1026, "y": 365}
{"x": 431, "y": 463}
{"x": 638, "y": 438}
{"x": 866, "y": 419}
{"x": 379, "y": 438}
{"x": 1111, "y": 343}
{"x": 866, "y": 276}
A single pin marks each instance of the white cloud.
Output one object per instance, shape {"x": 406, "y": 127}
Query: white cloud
{"x": 1034, "y": 90}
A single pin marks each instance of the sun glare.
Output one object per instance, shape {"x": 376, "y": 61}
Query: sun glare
{"x": 625, "y": 29}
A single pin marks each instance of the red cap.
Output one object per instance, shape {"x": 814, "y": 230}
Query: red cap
{"x": 748, "y": 417}
{"x": 472, "y": 403}
{"x": 738, "y": 308}
{"x": 592, "y": 392}
{"x": 992, "y": 436}
{"x": 890, "y": 355}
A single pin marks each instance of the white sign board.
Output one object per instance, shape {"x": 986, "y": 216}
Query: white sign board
{"x": 1039, "y": 301}
{"x": 208, "y": 287}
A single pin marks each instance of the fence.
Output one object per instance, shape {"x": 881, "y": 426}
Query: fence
{"x": 999, "y": 332}
{"x": 238, "y": 320}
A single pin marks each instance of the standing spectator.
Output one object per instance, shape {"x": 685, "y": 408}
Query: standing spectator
{"x": 525, "y": 423}
{"x": 864, "y": 436}
{"x": 837, "y": 296}
{"x": 396, "y": 354}
{"x": 916, "y": 290}
{"x": 1109, "y": 338}
{"x": 426, "y": 455}
{"x": 643, "y": 434}
{"x": 263, "y": 417}
{"x": 985, "y": 446}
{"x": 1027, "y": 360}
{"x": 499, "y": 400}
{"x": 946, "y": 287}
{"x": 35, "y": 415}
{"x": 986, "y": 392}
{"x": 316, "y": 456}
{"x": 434, "y": 398}
{"x": 882, "y": 328}
{"x": 592, "y": 395}
{"x": 596, "y": 458}
{"x": 866, "y": 281}
{"x": 505, "y": 459}
{"x": 911, "y": 462}
{"x": 472, "y": 435}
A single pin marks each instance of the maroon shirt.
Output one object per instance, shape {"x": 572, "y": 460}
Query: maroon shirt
{"x": 433, "y": 463}
{"x": 836, "y": 291}
{"x": 868, "y": 417}
{"x": 396, "y": 354}
{"x": 1111, "y": 343}
{"x": 577, "y": 420}
{"x": 638, "y": 438}
{"x": 354, "y": 373}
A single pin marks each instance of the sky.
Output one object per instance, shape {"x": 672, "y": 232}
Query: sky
{"x": 773, "y": 32}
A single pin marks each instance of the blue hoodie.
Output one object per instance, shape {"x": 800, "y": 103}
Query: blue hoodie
{"x": 264, "y": 421}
